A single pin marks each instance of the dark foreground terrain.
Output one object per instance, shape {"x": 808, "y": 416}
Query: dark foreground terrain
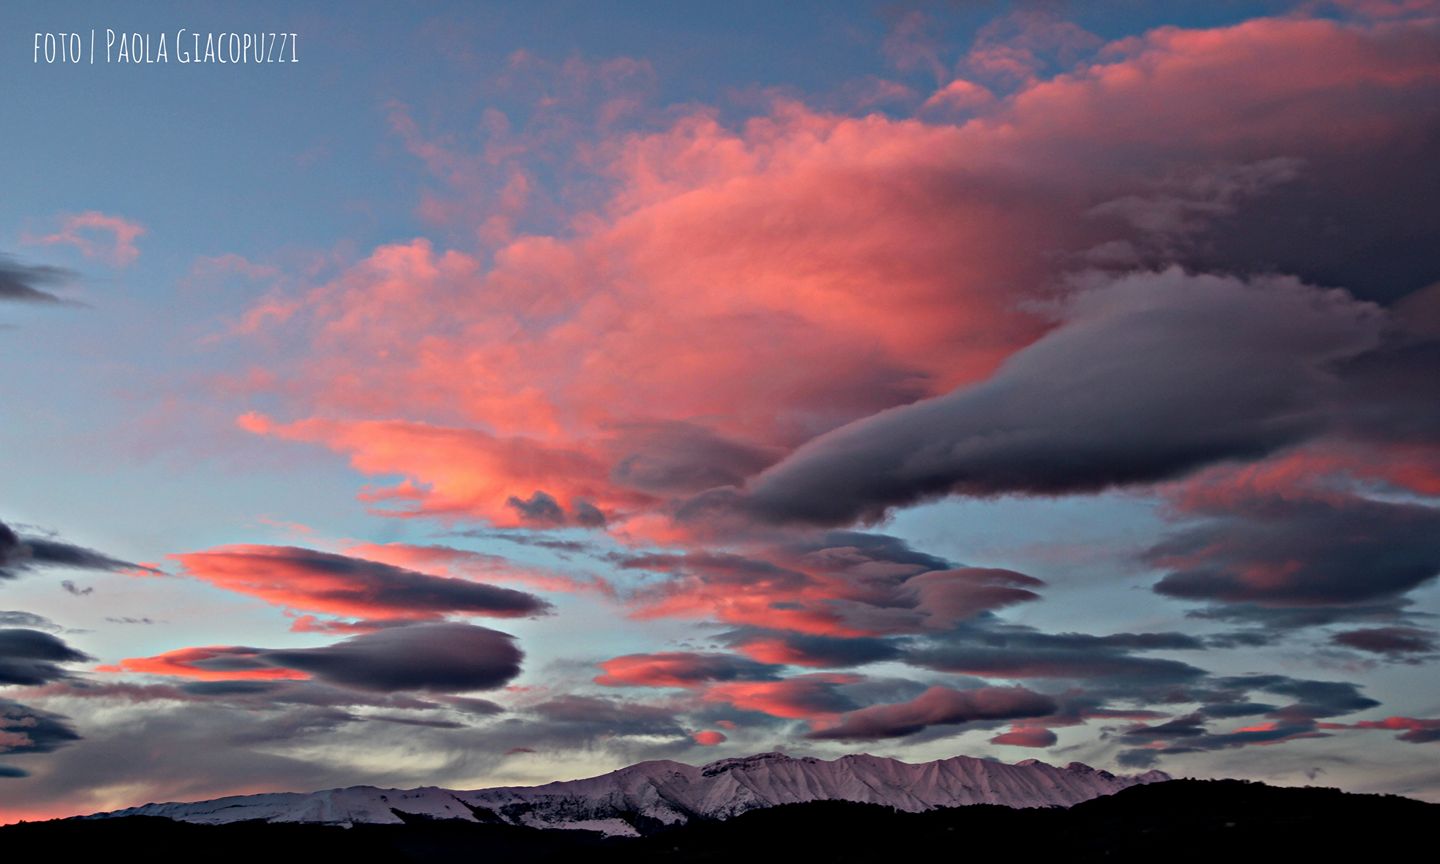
{"x": 1224, "y": 821}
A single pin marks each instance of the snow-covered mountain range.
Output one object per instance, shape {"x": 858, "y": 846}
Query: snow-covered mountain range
{"x": 649, "y": 794}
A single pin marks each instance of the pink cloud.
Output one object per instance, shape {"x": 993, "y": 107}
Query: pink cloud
{"x": 811, "y": 697}
{"x": 97, "y": 235}
{"x": 478, "y": 566}
{"x": 1416, "y": 730}
{"x": 810, "y": 239}
{"x": 1026, "y": 736}
{"x": 675, "y": 669}
{"x": 340, "y": 585}
{"x": 735, "y": 290}
{"x": 957, "y": 96}
{"x": 211, "y": 663}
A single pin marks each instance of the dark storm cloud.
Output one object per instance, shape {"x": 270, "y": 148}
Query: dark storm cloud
{"x": 1358, "y": 217}
{"x": 30, "y": 657}
{"x": 26, "y": 283}
{"x": 1288, "y": 551}
{"x": 1394, "y": 642}
{"x": 938, "y": 706}
{"x": 1000, "y": 650}
{"x": 1232, "y": 370}
{"x": 438, "y": 657}
{"x": 29, "y": 730}
{"x": 1355, "y": 217}
{"x": 18, "y": 554}
{"x": 1392, "y": 393}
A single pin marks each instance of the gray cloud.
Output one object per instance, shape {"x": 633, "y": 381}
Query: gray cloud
{"x": 441, "y": 657}
{"x": 938, "y": 706}
{"x": 675, "y": 458}
{"x": 680, "y": 669}
{"x": 29, "y": 730}
{"x": 806, "y": 649}
{"x": 18, "y": 554}
{"x": 1395, "y": 642}
{"x": 29, "y": 657}
{"x": 609, "y": 716}
{"x": 1291, "y": 551}
{"x": 343, "y": 582}
{"x": 1232, "y": 370}
{"x": 1010, "y": 651}
{"x": 540, "y": 507}
{"x": 28, "y": 620}
{"x": 27, "y": 283}
{"x": 1190, "y": 733}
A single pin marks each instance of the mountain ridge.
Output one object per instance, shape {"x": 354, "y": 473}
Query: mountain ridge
{"x": 641, "y": 797}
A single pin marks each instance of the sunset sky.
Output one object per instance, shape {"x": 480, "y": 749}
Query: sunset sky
{"x": 511, "y": 392}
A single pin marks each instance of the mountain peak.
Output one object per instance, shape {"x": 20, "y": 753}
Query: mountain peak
{"x": 742, "y": 762}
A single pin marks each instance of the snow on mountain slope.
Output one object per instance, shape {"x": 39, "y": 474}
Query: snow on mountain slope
{"x": 628, "y": 801}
